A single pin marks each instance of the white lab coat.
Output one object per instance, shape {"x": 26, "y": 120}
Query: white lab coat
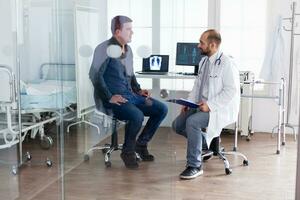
{"x": 223, "y": 94}
{"x": 273, "y": 68}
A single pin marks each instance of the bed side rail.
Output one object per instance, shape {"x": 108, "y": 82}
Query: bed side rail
{"x": 58, "y": 71}
{"x": 8, "y": 85}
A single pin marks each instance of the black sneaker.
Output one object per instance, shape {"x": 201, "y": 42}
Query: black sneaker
{"x": 143, "y": 152}
{"x": 129, "y": 159}
{"x": 191, "y": 172}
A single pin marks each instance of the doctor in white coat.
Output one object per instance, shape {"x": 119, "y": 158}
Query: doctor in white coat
{"x": 217, "y": 92}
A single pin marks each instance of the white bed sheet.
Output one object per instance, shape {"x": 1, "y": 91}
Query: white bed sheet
{"x": 48, "y": 94}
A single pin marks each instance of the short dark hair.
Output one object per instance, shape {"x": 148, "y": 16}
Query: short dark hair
{"x": 213, "y": 36}
{"x": 118, "y": 21}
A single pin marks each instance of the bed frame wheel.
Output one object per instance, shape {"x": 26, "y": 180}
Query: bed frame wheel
{"x": 86, "y": 157}
{"x": 14, "y": 170}
{"x": 248, "y": 138}
{"x": 28, "y": 156}
{"x": 46, "y": 142}
{"x": 48, "y": 162}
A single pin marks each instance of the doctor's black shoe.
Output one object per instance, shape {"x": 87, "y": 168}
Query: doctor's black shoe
{"x": 143, "y": 152}
{"x": 191, "y": 172}
{"x": 129, "y": 159}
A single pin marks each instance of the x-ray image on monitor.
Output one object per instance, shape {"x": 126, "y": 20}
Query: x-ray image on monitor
{"x": 194, "y": 55}
{"x": 155, "y": 62}
{"x": 188, "y": 54}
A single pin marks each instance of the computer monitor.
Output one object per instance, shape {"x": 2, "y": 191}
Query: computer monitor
{"x": 156, "y": 63}
{"x": 188, "y": 54}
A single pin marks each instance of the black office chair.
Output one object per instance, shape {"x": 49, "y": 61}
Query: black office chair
{"x": 216, "y": 150}
{"x": 107, "y": 149}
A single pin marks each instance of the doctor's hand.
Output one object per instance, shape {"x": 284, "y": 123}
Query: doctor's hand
{"x": 203, "y": 106}
{"x": 144, "y": 93}
{"x": 117, "y": 99}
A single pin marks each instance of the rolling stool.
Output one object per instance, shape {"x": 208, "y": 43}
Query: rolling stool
{"x": 107, "y": 149}
{"x": 215, "y": 150}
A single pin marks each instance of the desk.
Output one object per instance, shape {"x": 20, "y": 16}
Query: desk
{"x": 156, "y": 79}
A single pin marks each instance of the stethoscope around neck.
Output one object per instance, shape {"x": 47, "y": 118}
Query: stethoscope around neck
{"x": 217, "y": 62}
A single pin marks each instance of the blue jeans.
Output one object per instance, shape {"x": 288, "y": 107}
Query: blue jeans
{"x": 134, "y": 115}
{"x": 189, "y": 125}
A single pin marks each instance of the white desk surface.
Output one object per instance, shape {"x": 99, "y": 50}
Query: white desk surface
{"x": 169, "y": 75}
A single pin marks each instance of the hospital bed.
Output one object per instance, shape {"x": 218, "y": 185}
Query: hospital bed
{"x": 49, "y": 99}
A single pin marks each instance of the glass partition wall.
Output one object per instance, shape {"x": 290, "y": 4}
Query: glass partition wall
{"x": 9, "y": 137}
{"x": 38, "y": 94}
{"x": 54, "y": 140}
{"x": 48, "y": 46}
{"x": 33, "y": 115}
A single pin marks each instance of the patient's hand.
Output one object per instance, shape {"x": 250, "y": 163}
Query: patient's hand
{"x": 144, "y": 93}
{"x": 117, "y": 99}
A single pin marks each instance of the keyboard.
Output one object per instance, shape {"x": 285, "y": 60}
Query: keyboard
{"x": 187, "y": 73}
{"x": 153, "y": 73}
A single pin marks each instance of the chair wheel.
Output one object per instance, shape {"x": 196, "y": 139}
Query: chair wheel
{"x": 86, "y": 157}
{"x": 108, "y": 164}
{"x": 245, "y": 162}
{"x": 228, "y": 171}
{"x": 138, "y": 157}
{"x": 104, "y": 151}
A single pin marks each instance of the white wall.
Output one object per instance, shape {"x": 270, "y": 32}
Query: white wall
{"x": 7, "y": 39}
{"x": 265, "y": 111}
{"x": 48, "y": 35}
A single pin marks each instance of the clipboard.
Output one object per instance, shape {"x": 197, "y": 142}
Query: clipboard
{"x": 184, "y": 102}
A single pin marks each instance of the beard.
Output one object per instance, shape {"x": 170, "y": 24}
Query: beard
{"x": 205, "y": 52}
